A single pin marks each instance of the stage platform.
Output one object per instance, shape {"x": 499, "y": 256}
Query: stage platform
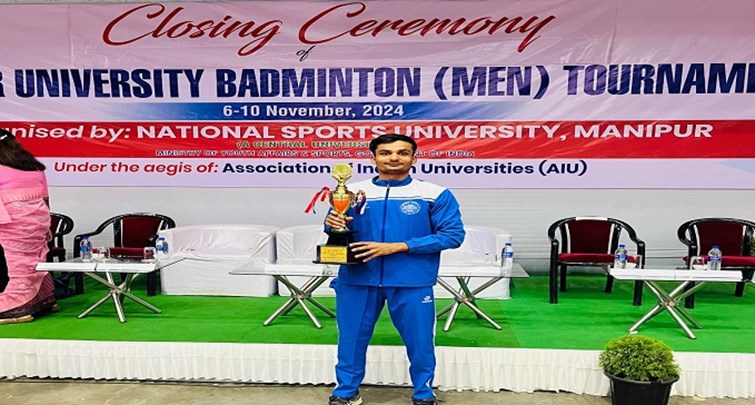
{"x": 542, "y": 347}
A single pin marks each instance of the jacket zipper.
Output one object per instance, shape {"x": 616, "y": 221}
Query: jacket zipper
{"x": 382, "y": 232}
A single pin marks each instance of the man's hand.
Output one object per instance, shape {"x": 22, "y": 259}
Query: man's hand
{"x": 336, "y": 220}
{"x": 370, "y": 250}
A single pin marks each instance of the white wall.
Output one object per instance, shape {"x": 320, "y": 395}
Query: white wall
{"x": 655, "y": 214}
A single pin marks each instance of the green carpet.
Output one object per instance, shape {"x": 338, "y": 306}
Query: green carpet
{"x": 585, "y": 318}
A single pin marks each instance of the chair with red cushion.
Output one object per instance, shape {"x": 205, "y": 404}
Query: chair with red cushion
{"x": 131, "y": 234}
{"x": 589, "y": 241}
{"x": 732, "y": 235}
{"x": 60, "y": 226}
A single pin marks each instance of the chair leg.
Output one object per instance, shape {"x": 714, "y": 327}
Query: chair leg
{"x": 563, "y": 277}
{"x": 637, "y": 299}
{"x": 609, "y": 283}
{"x": 553, "y": 284}
{"x": 152, "y": 284}
{"x": 689, "y": 302}
{"x": 740, "y": 289}
{"x": 78, "y": 282}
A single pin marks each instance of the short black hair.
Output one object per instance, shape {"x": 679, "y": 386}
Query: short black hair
{"x": 390, "y": 138}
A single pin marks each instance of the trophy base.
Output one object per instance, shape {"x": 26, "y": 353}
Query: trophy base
{"x": 337, "y": 250}
{"x": 331, "y": 254}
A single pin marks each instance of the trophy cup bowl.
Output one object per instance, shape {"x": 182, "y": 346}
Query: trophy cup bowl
{"x": 340, "y": 201}
{"x": 337, "y": 250}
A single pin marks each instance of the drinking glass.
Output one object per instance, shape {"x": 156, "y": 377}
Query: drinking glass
{"x": 637, "y": 262}
{"x": 149, "y": 254}
{"x": 100, "y": 253}
{"x": 698, "y": 263}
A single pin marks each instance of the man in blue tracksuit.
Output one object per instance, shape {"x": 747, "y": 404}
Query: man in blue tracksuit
{"x": 399, "y": 236}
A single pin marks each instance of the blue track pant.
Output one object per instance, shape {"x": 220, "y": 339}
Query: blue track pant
{"x": 412, "y": 310}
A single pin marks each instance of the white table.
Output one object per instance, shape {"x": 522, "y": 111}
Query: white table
{"x": 670, "y": 301}
{"x": 464, "y": 296}
{"x": 116, "y": 292}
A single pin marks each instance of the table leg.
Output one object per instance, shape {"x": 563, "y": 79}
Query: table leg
{"x": 464, "y": 286}
{"x": 293, "y": 291}
{"x": 308, "y": 292}
{"x": 279, "y": 311}
{"x": 144, "y": 303}
{"x": 95, "y": 305}
{"x": 485, "y": 285}
{"x": 102, "y": 300}
{"x": 670, "y": 303}
{"x": 451, "y": 316}
{"x": 652, "y": 313}
{"x": 309, "y": 313}
{"x": 684, "y": 294}
{"x": 115, "y": 292}
{"x": 681, "y": 323}
{"x": 299, "y": 296}
{"x": 460, "y": 299}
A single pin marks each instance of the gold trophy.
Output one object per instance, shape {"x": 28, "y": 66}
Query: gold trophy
{"x": 337, "y": 249}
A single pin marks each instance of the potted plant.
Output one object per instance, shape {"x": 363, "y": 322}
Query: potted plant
{"x": 642, "y": 370}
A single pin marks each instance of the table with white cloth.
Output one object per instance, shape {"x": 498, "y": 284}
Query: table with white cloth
{"x": 299, "y": 295}
{"x": 672, "y": 301}
{"x": 464, "y": 295}
{"x": 102, "y": 271}
{"x": 211, "y": 252}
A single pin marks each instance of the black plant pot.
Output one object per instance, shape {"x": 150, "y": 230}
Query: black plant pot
{"x": 628, "y": 392}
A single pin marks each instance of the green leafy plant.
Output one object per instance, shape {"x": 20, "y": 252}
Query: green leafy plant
{"x": 639, "y": 358}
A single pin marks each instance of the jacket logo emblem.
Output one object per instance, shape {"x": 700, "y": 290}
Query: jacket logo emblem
{"x": 410, "y": 208}
{"x": 427, "y": 299}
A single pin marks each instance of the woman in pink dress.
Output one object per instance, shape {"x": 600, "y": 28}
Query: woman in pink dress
{"x": 24, "y": 232}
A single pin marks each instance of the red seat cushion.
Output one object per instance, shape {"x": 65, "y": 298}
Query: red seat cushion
{"x": 731, "y": 261}
{"x": 585, "y": 258}
{"x": 127, "y": 252}
{"x": 738, "y": 261}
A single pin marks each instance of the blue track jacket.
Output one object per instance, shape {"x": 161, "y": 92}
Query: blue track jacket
{"x": 423, "y": 215}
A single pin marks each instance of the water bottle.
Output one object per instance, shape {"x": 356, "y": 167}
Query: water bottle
{"x": 507, "y": 258}
{"x": 714, "y": 258}
{"x": 161, "y": 246}
{"x": 620, "y": 258}
{"x": 85, "y": 247}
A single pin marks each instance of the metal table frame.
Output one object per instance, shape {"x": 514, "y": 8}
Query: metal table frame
{"x": 116, "y": 292}
{"x": 672, "y": 302}
{"x": 298, "y": 295}
{"x": 319, "y": 273}
{"x": 464, "y": 296}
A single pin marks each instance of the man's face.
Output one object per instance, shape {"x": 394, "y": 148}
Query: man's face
{"x": 394, "y": 159}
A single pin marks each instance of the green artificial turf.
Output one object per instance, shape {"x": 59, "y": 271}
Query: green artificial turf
{"x": 585, "y": 318}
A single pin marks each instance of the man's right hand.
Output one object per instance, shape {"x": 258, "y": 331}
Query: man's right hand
{"x": 336, "y": 220}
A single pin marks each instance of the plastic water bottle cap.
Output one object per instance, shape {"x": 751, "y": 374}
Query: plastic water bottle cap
{"x": 715, "y": 246}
